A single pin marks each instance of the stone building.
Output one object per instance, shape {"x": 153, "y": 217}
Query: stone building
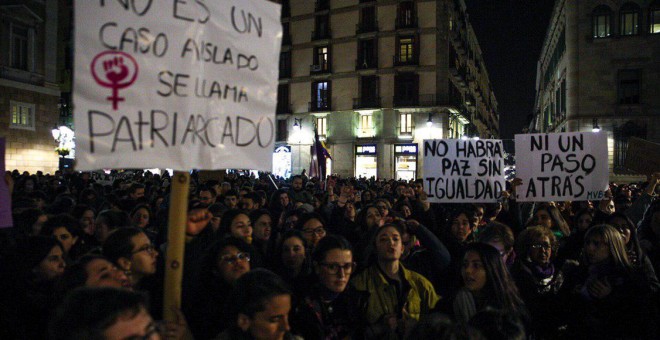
{"x": 375, "y": 78}
{"x": 599, "y": 69}
{"x": 29, "y": 88}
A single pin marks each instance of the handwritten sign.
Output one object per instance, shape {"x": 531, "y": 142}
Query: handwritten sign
{"x": 459, "y": 171}
{"x": 5, "y": 197}
{"x": 561, "y": 166}
{"x": 176, "y": 84}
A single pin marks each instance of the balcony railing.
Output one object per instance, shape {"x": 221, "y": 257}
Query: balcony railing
{"x": 316, "y": 106}
{"x": 319, "y": 69}
{"x": 321, "y": 35}
{"x": 366, "y": 102}
{"x": 405, "y": 101}
{"x": 400, "y": 60}
{"x": 403, "y": 23}
{"x": 365, "y": 64}
{"x": 366, "y": 27}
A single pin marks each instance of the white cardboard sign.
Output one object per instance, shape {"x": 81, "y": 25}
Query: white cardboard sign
{"x": 568, "y": 166}
{"x": 461, "y": 171}
{"x": 176, "y": 84}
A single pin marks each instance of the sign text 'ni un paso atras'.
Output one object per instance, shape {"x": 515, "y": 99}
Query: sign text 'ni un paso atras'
{"x": 176, "y": 84}
{"x": 461, "y": 171}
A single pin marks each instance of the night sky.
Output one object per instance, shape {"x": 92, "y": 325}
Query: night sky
{"x": 511, "y": 33}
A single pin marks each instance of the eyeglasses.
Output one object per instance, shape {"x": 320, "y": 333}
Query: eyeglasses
{"x": 320, "y": 231}
{"x": 333, "y": 268}
{"x": 149, "y": 248}
{"x": 545, "y": 246}
{"x": 231, "y": 259}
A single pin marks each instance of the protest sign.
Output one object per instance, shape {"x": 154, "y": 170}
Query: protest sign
{"x": 643, "y": 156}
{"x": 561, "y": 166}
{"x": 176, "y": 84}
{"x": 458, "y": 171}
{"x": 5, "y": 196}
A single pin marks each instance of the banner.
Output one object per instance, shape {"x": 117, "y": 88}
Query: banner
{"x": 176, "y": 84}
{"x": 562, "y": 166}
{"x": 643, "y": 156}
{"x": 5, "y": 195}
{"x": 461, "y": 171}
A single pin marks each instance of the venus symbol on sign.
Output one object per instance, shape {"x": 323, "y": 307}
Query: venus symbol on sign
{"x": 116, "y": 70}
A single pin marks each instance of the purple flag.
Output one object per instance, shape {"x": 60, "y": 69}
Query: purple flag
{"x": 5, "y": 199}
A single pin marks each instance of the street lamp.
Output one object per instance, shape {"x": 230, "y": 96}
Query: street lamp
{"x": 596, "y": 128}
{"x": 429, "y": 122}
{"x": 297, "y": 125}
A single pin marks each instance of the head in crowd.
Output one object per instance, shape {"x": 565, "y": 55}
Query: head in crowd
{"x": 64, "y": 228}
{"x": 261, "y": 308}
{"x": 628, "y": 230}
{"x": 250, "y": 201}
{"x": 495, "y": 324}
{"x": 103, "y": 313}
{"x": 492, "y": 211}
{"x": 479, "y": 211}
{"x": 230, "y": 199}
{"x": 141, "y": 216}
{"x": 217, "y": 210}
{"x": 207, "y": 195}
{"x": 383, "y": 206}
{"x": 30, "y": 221}
{"x": 583, "y": 220}
{"x": 499, "y": 236}
{"x": 312, "y": 227}
{"x": 131, "y": 250}
{"x": 463, "y": 222}
{"x": 93, "y": 271}
{"x": 367, "y": 196}
{"x": 109, "y": 220}
{"x": 262, "y": 225}
{"x": 88, "y": 196}
{"x": 136, "y": 191}
{"x": 293, "y": 252}
{"x": 333, "y": 262}
{"x": 549, "y": 216}
{"x": 604, "y": 245}
{"x": 484, "y": 274}
{"x": 388, "y": 243}
{"x": 290, "y": 218}
{"x": 237, "y": 223}
{"x": 403, "y": 208}
{"x": 537, "y": 245}
{"x": 40, "y": 259}
{"x": 297, "y": 183}
{"x": 226, "y": 261}
{"x": 369, "y": 217}
{"x": 622, "y": 202}
{"x": 86, "y": 216}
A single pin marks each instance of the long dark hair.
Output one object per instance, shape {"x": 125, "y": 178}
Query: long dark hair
{"x": 634, "y": 249}
{"x": 500, "y": 288}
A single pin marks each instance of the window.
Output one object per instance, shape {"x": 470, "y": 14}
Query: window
{"x": 601, "y": 19}
{"x": 654, "y": 18}
{"x": 629, "y": 86}
{"x": 369, "y": 92}
{"x": 286, "y": 34}
{"x": 285, "y": 64}
{"x": 322, "y": 126}
{"x": 286, "y": 9}
{"x": 322, "y": 27}
{"x": 321, "y": 59}
{"x": 367, "y": 56}
{"x": 367, "y": 20}
{"x": 282, "y": 130}
{"x": 366, "y": 125}
{"x": 406, "y": 15}
{"x": 405, "y": 123}
{"x": 20, "y": 47}
{"x": 406, "y": 50}
{"x": 320, "y": 96}
{"x": 629, "y": 19}
{"x": 22, "y": 115}
{"x": 283, "y": 99}
{"x": 406, "y": 89}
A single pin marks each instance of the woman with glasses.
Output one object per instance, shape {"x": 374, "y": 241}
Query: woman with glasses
{"x": 539, "y": 280}
{"x": 608, "y": 297}
{"x": 332, "y": 309}
{"x": 225, "y": 262}
{"x": 312, "y": 226}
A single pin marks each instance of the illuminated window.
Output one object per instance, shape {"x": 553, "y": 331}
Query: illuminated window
{"x": 405, "y": 123}
{"x": 22, "y": 115}
{"x": 366, "y": 126}
{"x": 601, "y": 19}
{"x": 320, "y": 96}
{"x": 406, "y": 49}
{"x": 629, "y": 19}
{"x": 654, "y": 18}
{"x": 321, "y": 126}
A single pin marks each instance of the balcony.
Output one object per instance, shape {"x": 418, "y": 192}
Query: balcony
{"x": 366, "y": 64}
{"x": 403, "y": 60}
{"x": 319, "y": 69}
{"x": 405, "y": 101}
{"x": 371, "y": 102}
{"x": 366, "y": 27}
{"x": 319, "y": 106}
{"x": 405, "y": 23}
{"x": 22, "y": 76}
{"x": 321, "y": 35}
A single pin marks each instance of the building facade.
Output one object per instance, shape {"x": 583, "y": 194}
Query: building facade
{"x": 599, "y": 69}
{"x": 29, "y": 83}
{"x": 376, "y": 78}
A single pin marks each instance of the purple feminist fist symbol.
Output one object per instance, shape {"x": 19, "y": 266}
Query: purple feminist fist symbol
{"x": 116, "y": 70}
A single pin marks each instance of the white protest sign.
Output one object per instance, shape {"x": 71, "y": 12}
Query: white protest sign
{"x": 460, "y": 171}
{"x": 176, "y": 84}
{"x": 561, "y": 166}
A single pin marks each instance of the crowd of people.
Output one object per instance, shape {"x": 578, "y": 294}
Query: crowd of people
{"x": 338, "y": 258}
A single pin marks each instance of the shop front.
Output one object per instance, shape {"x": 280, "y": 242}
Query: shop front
{"x": 405, "y": 161}
{"x": 366, "y": 161}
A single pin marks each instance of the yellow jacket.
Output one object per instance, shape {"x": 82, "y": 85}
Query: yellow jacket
{"x": 421, "y": 296}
